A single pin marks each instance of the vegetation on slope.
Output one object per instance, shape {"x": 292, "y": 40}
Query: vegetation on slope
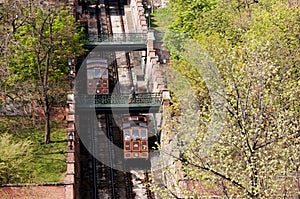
{"x": 161, "y": 19}
{"x": 37, "y": 39}
{"x": 253, "y": 47}
{"x": 24, "y": 157}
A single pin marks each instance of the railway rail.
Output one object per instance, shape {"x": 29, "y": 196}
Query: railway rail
{"x": 106, "y": 17}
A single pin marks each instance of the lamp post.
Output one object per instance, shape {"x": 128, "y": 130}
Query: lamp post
{"x": 71, "y": 63}
{"x": 148, "y": 15}
{"x": 70, "y": 138}
{"x": 149, "y": 8}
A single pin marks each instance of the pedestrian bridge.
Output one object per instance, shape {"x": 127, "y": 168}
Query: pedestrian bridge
{"x": 117, "y": 41}
{"x": 121, "y": 103}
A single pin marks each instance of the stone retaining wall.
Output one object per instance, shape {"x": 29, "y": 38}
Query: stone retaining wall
{"x": 137, "y": 9}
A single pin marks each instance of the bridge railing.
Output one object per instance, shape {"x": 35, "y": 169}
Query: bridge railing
{"x": 139, "y": 98}
{"x": 118, "y": 38}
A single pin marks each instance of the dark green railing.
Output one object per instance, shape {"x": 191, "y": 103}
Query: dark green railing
{"x": 140, "y": 98}
{"x": 118, "y": 38}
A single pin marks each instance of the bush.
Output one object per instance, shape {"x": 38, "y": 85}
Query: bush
{"x": 15, "y": 156}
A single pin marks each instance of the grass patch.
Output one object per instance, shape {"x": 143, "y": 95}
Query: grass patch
{"x": 48, "y": 164}
{"x": 161, "y": 19}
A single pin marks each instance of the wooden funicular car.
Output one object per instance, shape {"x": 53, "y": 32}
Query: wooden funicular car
{"x": 97, "y": 76}
{"x": 135, "y": 137}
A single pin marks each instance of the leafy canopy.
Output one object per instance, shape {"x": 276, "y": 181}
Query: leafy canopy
{"x": 254, "y": 46}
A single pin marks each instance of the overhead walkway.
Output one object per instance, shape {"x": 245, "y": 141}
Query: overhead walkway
{"x": 125, "y": 103}
{"x": 117, "y": 41}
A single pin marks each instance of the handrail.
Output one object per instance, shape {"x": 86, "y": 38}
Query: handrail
{"x": 118, "y": 37}
{"x": 139, "y": 98}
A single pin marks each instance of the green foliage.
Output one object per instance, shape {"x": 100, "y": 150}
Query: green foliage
{"x": 37, "y": 39}
{"x": 31, "y": 160}
{"x": 39, "y": 49}
{"x": 15, "y": 156}
{"x": 187, "y": 12}
{"x": 162, "y": 19}
{"x": 43, "y": 45}
{"x": 254, "y": 46}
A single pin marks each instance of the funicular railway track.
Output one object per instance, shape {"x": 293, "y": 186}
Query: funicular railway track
{"x": 108, "y": 182}
{"x": 104, "y": 17}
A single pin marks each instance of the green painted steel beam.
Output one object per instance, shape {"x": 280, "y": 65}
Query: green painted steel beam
{"x": 100, "y": 100}
{"x": 140, "y": 103}
{"x": 116, "y": 47}
{"x": 118, "y": 37}
{"x": 119, "y": 109}
{"x": 117, "y": 41}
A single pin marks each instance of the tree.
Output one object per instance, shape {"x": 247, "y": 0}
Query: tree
{"x": 254, "y": 47}
{"x": 41, "y": 47}
{"x": 13, "y": 15}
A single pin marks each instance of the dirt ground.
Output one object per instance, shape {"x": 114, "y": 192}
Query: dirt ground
{"x": 33, "y": 192}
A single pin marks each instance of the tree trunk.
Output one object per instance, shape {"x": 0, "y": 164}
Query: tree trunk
{"x": 47, "y": 124}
